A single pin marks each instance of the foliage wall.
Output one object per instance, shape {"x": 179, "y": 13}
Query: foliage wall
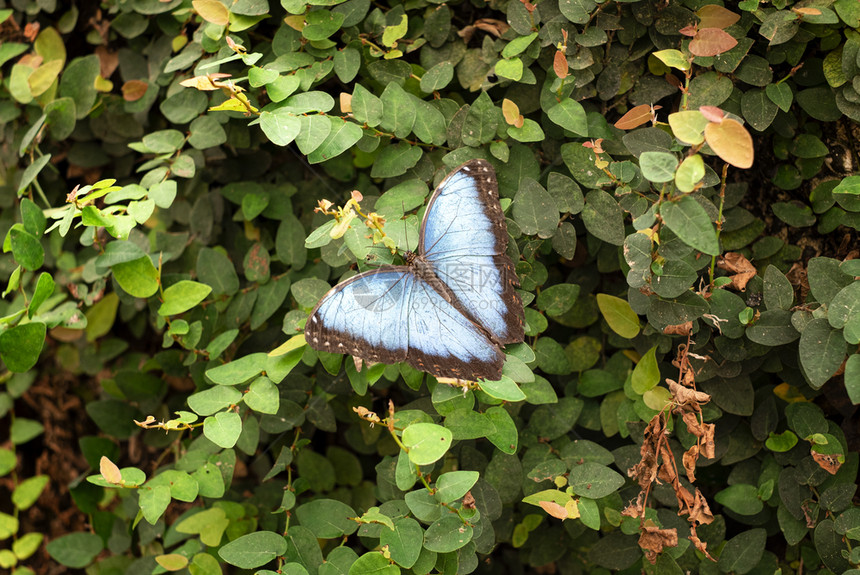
{"x": 678, "y": 179}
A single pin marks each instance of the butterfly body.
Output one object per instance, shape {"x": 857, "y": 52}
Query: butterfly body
{"x": 452, "y": 306}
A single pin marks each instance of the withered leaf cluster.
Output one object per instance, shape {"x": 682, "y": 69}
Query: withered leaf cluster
{"x": 657, "y": 463}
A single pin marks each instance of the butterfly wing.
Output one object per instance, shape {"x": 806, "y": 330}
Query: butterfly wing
{"x": 464, "y": 238}
{"x": 390, "y": 315}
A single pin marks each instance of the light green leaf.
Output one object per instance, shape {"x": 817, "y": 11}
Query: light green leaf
{"x": 619, "y": 315}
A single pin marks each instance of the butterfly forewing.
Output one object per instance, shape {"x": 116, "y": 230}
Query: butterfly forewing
{"x": 464, "y": 237}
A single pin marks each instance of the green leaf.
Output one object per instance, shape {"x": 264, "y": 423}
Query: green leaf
{"x": 26, "y": 248}
{"x": 781, "y": 442}
{"x": 210, "y": 524}
{"x": 153, "y": 502}
{"x": 826, "y": 279}
{"x": 646, "y": 374}
{"x": 426, "y": 442}
{"x": 314, "y": 131}
{"x": 214, "y": 399}
{"x": 741, "y": 498}
{"x": 481, "y": 121}
{"x": 511, "y": 69}
{"x": 78, "y": 83}
{"x": 437, "y": 77}
{"x": 743, "y": 552}
{"x": 182, "y": 296}
{"x": 758, "y": 109}
{"x": 847, "y": 193}
{"x": 619, "y": 315}
{"x": 216, "y": 270}
{"x": 504, "y": 389}
{"x": 690, "y": 173}
{"x": 320, "y": 24}
{"x": 342, "y": 137}
{"x": 395, "y": 160}
{"x": 844, "y": 308}
{"x": 399, "y": 110}
{"x": 366, "y": 107}
{"x": 373, "y": 563}
{"x": 558, "y": 299}
{"x": 593, "y": 480}
{"x": 530, "y": 131}
{"x": 453, "y": 485}
{"x": 690, "y": 222}
{"x": 447, "y": 534}
{"x": 21, "y": 346}
{"x": 852, "y": 378}
{"x": 280, "y": 126}
{"x": 223, "y": 429}
{"x": 76, "y": 550}
{"x": 23, "y": 430}
{"x": 262, "y": 396}
{"x": 327, "y": 518}
{"x": 27, "y": 178}
{"x": 658, "y": 167}
{"x": 603, "y": 218}
{"x": 781, "y": 95}
{"x": 673, "y": 59}
{"x": 28, "y": 491}
{"x": 778, "y": 291}
{"x": 688, "y": 126}
{"x": 821, "y": 350}
{"x": 138, "y": 278}
{"x": 254, "y": 549}
{"x": 534, "y": 210}
{"x": 404, "y": 541}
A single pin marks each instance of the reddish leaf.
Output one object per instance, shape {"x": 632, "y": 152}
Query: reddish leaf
{"x": 712, "y": 113}
{"x": 714, "y": 16}
{"x": 689, "y": 30}
{"x": 134, "y": 90}
{"x": 711, "y": 42}
{"x": 731, "y": 142}
{"x": 559, "y": 65}
{"x": 634, "y": 118}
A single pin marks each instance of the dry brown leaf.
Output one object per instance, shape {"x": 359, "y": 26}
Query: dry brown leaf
{"x": 469, "y": 500}
{"x": 689, "y": 459}
{"x": 700, "y": 511}
{"x": 740, "y": 267}
{"x": 653, "y": 540}
{"x": 699, "y": 544}
{"x": 346, "y": 103}
{"x": 827, "y": 462}
{"x": 679, "y": 329}
{"x": 685, "y": 395}
{"x": 707, "y": 446}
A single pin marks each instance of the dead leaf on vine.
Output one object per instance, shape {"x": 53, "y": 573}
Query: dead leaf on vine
{"x": 740, "y": 267}
{"x": 689, "y": 459}
{"x": 827, "y": 462}
{"x": 679, "y": 329}
{"x": 653, "y": 540}
{"x": 685, "y": 395}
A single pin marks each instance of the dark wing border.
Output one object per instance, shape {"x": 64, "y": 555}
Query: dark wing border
{"x": 488, "y": 190}
{"x": 316, "y": 335}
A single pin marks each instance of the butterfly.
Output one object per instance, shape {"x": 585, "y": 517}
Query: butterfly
{"x": 451, "y": 308}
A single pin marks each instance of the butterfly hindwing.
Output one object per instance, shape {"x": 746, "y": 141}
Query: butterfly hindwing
{"x": 390, "y": 315}
{"x": 464, "y": 237}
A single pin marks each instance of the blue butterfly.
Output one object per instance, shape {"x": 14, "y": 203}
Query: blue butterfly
{"x": 452, "y": 306}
